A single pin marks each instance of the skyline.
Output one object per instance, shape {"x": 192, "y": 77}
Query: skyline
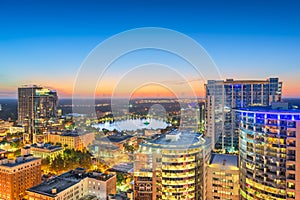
{"x": 45, "y": 43}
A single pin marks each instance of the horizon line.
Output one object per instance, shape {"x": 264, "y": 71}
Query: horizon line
{"x": 90, "y": 98}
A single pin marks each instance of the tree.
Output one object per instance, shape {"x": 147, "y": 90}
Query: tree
{"x": 57, "y": 164}
{"x": 120, "y": 178}
{"x": 46, "y": 161}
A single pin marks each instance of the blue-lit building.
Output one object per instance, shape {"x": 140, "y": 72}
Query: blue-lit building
{"x": 269, "y": 152}
{"x": 222, "y": 96}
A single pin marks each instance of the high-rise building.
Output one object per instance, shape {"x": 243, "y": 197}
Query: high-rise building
{"x": 222, "y": 96}
{"x": 171, "y": 166}
{"x": 269, "y": 153}
{"x": 16, "y": 176}
{"x": 36, "y": 105}
{"x": 223, "y": 177}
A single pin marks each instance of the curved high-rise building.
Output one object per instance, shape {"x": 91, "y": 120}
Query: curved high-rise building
{"x": 172, "y": 166}
{"x": 269, "y": 153}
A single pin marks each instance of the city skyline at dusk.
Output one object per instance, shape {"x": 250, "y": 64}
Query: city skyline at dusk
{"x": 45, "y": 44}
{"x": 149, "y": 100}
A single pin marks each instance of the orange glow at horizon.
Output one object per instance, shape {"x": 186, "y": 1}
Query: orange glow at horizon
{"x": 65, "y": 89}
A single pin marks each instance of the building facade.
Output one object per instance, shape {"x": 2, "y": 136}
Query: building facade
{"x": 171, "y": 166}
{"x": 71, "y": 139}
{"x": 45, "y": 150}
{"x": 16, "y": 176}
{"x": 269, "y": 153}
{"x": 36, "y": 105}
{"x": 223, "y": 96}
{"x": 223, "y": 177}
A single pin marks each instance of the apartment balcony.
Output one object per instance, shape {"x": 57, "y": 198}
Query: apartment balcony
{"x": 291, "y": 134}
{"x": 291, "y": 177}
{"x": 291, "y": 144}
{"x": 291, "y": 167}
{"x": 292, "y": 187}
{"x": 271, "y": 133}
{"x": 291, "y": 158}
{"x": 290, "y": 196}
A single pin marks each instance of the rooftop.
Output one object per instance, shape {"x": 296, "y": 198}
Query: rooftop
{"x": 233, "y": 81}
{"x": 59, "y": 183}
{"x": 225, "y": 160}
{"x": 71, "y": 133}
{"x": 30, "y": 86}
{"x": 269, "y": 109}
{"x": 177, "y": 139}
{"x": 118, "y": 137}
{"x": 100, "y": 176}
{"x": 66, "y": 180}
{"x": 20, "y": 160}
{"x": 123, "y": 167}
{"x": 47, "y": 147}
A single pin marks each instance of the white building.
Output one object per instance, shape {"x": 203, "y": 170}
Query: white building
{"x": 222, "y": 96}
{"x": 74, "y": 185}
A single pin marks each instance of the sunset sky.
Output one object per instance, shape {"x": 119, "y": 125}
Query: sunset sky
{"x": 45, "y": 42}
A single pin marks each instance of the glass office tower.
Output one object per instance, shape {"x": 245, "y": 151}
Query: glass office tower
{"x": 223, "y": 96}
{"x": 36, "y": 105}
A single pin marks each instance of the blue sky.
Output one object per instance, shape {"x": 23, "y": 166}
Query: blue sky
{"x": 45, "y": 42}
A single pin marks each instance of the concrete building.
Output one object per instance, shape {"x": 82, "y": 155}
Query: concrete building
{"x": 171, "y": 166}
{"x": 223, "y": 177}
{"x": 36, "y": 105}
{"x": 222, "y": 96}
{"x": 119, "y": 139}
{"x": 16, "y": 176}
{"x": 45, "y": 150}
{"x": 77, "y": 140}
{"x": 269, "y": 153}
{"x": 74, "y": 185}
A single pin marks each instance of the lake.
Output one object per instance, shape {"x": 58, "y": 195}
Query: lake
{"x": 133, "y": 125}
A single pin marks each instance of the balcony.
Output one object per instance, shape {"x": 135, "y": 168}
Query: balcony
{"x": 291, "y": 167}
{"x": 292, "y": 187}
{"x": 291, "y": 158}
{"x": 291, "y": 134}
{"x": 291, "y": 177}
{"x": 291, "y": 144}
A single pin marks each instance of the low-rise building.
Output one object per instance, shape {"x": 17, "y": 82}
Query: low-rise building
{"x": 71, "y": 139}
{"x": 16, "y": 176}
{"x": 74, "y": 185}
{"x": 223, "y": 177}
{"x": 45, "y": 150}
{"x": 119, "y": 139}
